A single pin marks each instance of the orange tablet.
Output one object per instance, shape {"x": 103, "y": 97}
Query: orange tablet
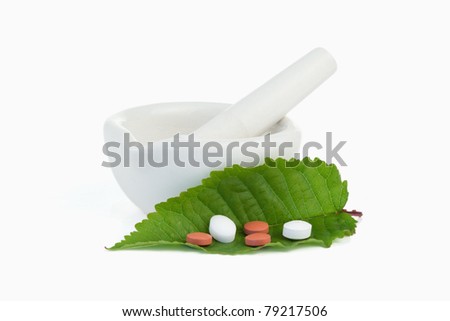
{"x": 199, "y": 238}
{"x": 256, "y": 227}
{"x": 257, "y": 239}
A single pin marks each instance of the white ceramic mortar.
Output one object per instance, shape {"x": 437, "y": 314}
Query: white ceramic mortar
{"x": 146, "y": 186}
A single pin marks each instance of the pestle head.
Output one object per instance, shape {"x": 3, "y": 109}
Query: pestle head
{"x": 261, "y": 109}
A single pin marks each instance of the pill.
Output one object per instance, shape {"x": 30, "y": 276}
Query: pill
{"x": 256, "y": 227}
{"x": 257, "y": 239}
{"x": 222, "y": 229}
{"x": 199, "y": 238}
{"x": 297, "y": 230}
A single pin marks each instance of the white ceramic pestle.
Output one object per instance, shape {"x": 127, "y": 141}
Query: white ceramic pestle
{"x": 256, "y": 113}
{"x": 246, "y": 121}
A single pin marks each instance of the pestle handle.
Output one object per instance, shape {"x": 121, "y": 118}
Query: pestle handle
{"x": 256, "y": 113}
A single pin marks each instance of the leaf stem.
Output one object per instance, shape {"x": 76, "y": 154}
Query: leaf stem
{"x": 353, "y": 212}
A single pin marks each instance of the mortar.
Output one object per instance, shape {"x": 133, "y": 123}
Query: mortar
{"x": 146, "y": 186}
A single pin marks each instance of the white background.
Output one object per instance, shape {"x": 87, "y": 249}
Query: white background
{"x": 66, "y": 66}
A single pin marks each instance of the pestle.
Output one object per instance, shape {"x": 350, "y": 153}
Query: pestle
{"x": 256, "y": 113}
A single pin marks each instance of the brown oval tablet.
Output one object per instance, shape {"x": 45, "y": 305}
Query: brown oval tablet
{"x": 257, "y": 239}
{"x": 256, "y": 227}
{"x": 199, "y": 238}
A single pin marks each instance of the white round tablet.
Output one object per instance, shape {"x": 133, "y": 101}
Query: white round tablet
{"x": 222, "y": 229}
{"x": 297, "y": 230}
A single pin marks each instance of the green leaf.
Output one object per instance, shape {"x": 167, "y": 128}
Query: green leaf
{"x": 276, "y": 192}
